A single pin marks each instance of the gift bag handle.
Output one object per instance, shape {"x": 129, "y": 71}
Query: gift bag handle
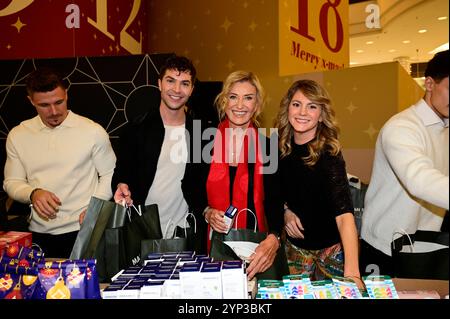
{"x": 128, "y": 209}
{"x": 169, "y": 223}
{"x": 403, "y": 233}
{"x": 185, "y": 224}
{"x": 254, "y": 216}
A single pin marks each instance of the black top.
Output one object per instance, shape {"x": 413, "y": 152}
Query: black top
{"x": 139, "y": 149}
{"x": 317, "y": 195}
{"x": 250, "y": 201}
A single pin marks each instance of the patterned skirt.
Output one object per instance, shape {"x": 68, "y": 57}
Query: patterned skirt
{"x": 317, "y": 264}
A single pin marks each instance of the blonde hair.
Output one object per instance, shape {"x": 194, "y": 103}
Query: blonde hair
{"x": 221, "y": 100}
{"x": 327, "y": 131}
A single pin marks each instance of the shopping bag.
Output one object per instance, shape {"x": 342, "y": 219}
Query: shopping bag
{"x": 18, "y": 271}
{"x": 17, "y": 280}
{"x": 182, "y": 239}
{"x": 195, "y": 239}
{"x": 21, "y": 254}
{"x": 221, "y": 251}
{"x": 112, "y": 234}
{"x": 423, "y": 255}
{"x": 67, "y": 279}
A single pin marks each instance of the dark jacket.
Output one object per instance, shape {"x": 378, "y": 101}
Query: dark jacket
{"x": 137, "y": 159}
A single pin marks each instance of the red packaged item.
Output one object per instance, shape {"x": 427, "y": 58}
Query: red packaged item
{"x": 15, "y": 237}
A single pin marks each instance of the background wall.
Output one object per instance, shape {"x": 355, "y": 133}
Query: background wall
{"x": 72, "y": 28}
{"x": 224, "y": 36}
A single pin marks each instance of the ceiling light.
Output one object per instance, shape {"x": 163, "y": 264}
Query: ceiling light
{"x": 422, "y": 30}
{"x": 442, "y": 18}
{"x": 354, "y": 63}
{"x": 369, "y": 42}
{"x": 406, "y": 41}
{"x": 359, "y": 51}
{"x": 439, "y": 48}
{"x": 392, "y": 50}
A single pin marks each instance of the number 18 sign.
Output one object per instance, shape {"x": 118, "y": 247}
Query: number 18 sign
{"x": 313, "y": 35}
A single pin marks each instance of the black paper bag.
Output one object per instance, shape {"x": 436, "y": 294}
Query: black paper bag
{"x": 221, "y": 251}
{"x": 421, "y": 262}
{"x": 112, "y": 234}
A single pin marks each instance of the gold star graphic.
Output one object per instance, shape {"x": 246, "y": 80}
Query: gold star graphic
{"x": 249, "y": 47}
{"x": 371, "y": 131}
{"x": 351, "y": 108}
{"x": 253, "y": 26}
{"x": 208, "y": 12}
{"x": 245, "y": 5}
{"x": 230, "y": 65}
{"x": 18, "y": 25}
{"x": 219, "y": 47}
{"x": 226, "y": 24}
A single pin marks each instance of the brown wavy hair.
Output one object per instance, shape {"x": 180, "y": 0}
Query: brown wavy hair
{"x": 326, "y": 138}
{"x": 240, "y": 76}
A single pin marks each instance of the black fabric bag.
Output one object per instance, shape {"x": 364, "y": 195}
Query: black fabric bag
{"x": 418, "y": 260}
{"x": 112, "y": 234}
{"x": 221, "y": 251}
{"x": 183, "y": 239}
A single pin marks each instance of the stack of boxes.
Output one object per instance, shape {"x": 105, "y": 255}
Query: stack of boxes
{"x": 301, "y": 287}
{"x": 180, "y": 275}
{"x": 15, "y": 238}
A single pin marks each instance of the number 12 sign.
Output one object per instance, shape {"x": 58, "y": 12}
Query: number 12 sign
{"x": 313, "y": 35}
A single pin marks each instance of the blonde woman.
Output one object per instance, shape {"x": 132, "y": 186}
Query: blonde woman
{"x": 322, "y": 239}
{"x": 235, "y": 173}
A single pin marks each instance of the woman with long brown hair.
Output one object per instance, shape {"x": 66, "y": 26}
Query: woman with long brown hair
{"x": 322, "y": 239}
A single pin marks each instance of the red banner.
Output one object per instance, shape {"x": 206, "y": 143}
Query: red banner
{"x": 69, "y": 28}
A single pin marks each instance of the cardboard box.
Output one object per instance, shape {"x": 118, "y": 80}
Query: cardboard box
{"x": 440, "y": 286}
{"x": 15, "y": 237}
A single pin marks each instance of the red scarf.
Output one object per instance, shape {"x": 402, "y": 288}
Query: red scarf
{"x": 218, "y": 183}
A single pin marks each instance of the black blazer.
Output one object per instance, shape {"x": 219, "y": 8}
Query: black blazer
{"x": 139, "y": 149}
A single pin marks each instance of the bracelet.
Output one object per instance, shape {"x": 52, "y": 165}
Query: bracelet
{"x": 32, "y": 193}
{"x": 278, "y": 238}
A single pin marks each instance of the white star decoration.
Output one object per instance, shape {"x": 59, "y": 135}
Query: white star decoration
{"x": 226, "y": 24}
{"x": 351, "y": 108}
{"x": 230, "y": 65}
{"x": 371, "y": 131}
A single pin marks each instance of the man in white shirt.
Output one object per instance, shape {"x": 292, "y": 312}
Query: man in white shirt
{"x": 55, "y": 162}
{"x": 409, "y": 187}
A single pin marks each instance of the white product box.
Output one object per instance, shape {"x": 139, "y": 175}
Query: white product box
{"x": 190, "y": 284}
{"x": 211, "y": 280}
{"x": 152, "y": 290}
{"x": 234, "y": 280}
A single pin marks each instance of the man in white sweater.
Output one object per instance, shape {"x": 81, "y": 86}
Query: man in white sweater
{"x": 55, "y": 162}
{"x": 409, "y": 187}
